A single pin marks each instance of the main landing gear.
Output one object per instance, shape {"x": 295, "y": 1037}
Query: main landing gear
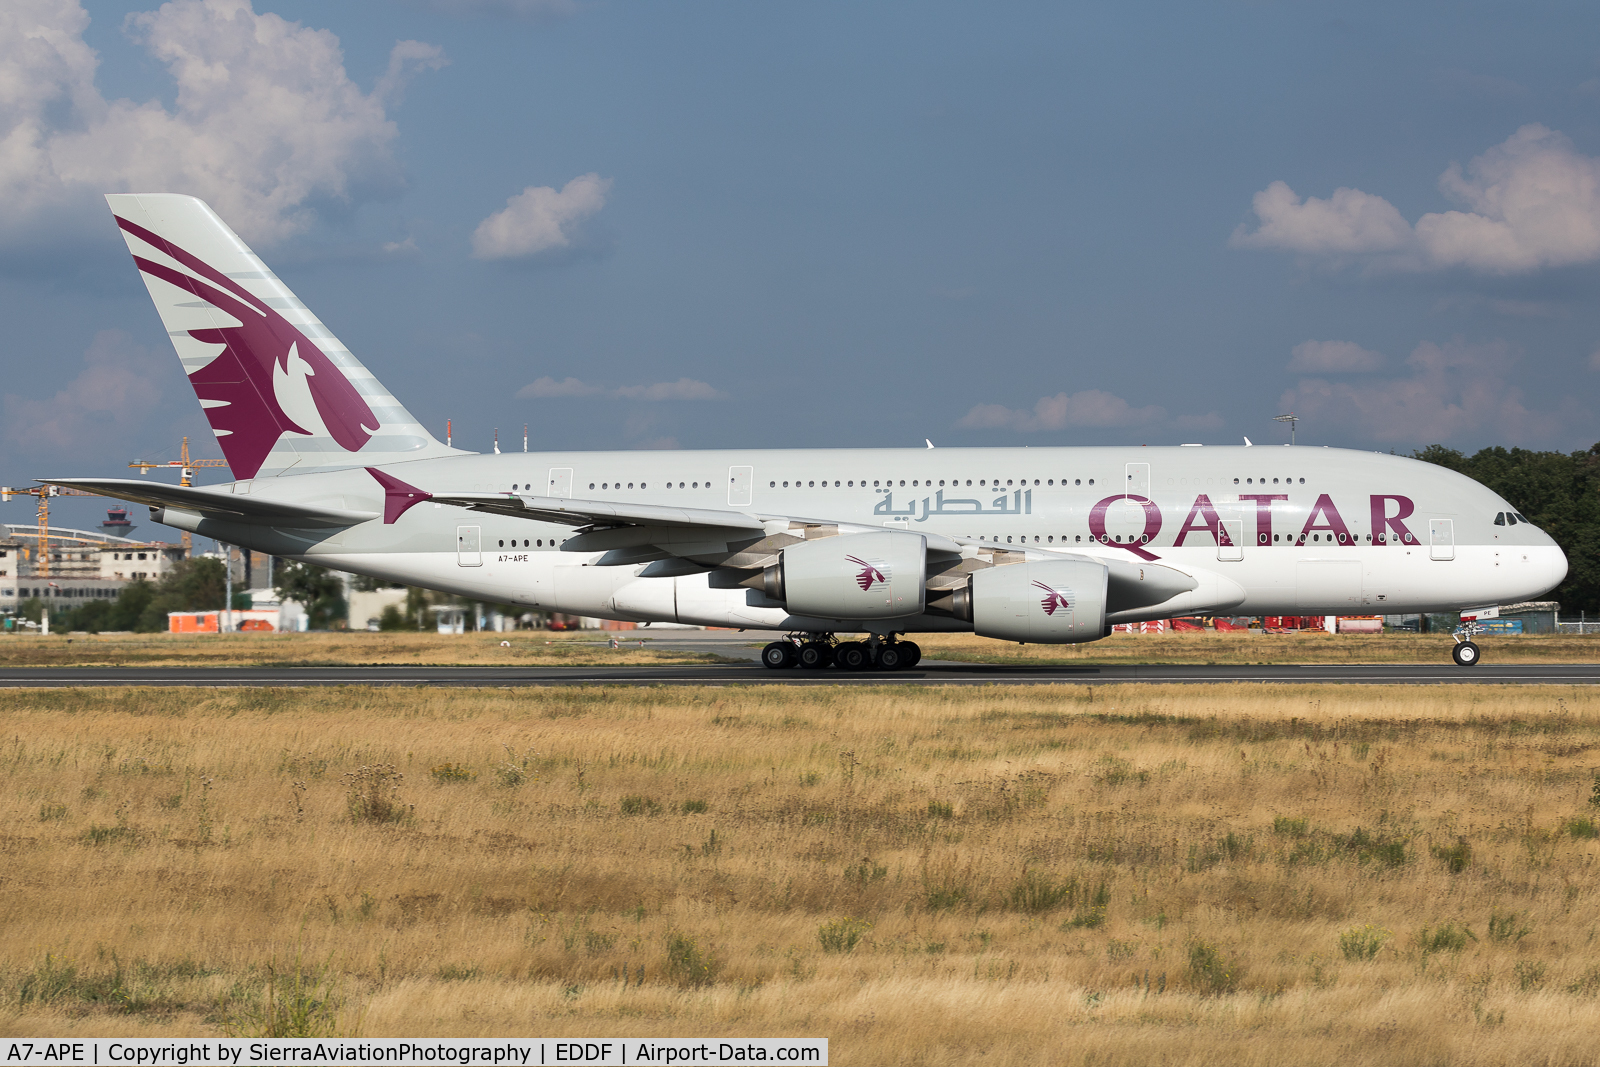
{"x": 1465, "y": 651}
{"x": 816, "y": 651}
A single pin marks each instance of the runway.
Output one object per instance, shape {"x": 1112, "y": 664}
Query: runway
{"x": 740, "y": 674}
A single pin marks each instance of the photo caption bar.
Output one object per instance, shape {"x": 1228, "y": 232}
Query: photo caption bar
{"x": 520, "y": 1052}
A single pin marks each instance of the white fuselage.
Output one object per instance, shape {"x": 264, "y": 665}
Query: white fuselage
{"x": 1289, "y": 530}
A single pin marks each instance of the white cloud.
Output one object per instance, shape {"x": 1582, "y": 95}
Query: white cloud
{"x": 109, "y": 399}
{"x": 1453, "y": 391}
{"x": 1332, "y": 357}
{"x": 1350, "y": 223}
{"x": 1534, "y": 202}
{"x": 682, "y": 389}
{"x": 266, "y": 119}
{"x": 1092, "y": 407}
{"x": 406, "y": 58}
{"x": 539, "y": 218}
{"x": 548, "y": 387}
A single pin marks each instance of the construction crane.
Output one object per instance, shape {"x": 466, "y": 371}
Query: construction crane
{"x": 44, "y": 493}
{"x": 186, "y": 467}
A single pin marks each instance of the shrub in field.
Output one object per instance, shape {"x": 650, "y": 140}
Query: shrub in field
{"x": 1035, "y": 892}
{"x": 945, "y": 883}
{"x": 299, "y": 1002}
{"x": 866, "y": 872}
{"x": 1446, "y": 937}
{"x": 1363, "y": 942}
{"x": 131, "y": 991}
{"x": 1091, "y": 907}
{"x": 842, "y": 935}
{"x": 940, "y": 810}
{"x": 1583, "y": 828}
{"x": 688, "y": 964}
{"x": 1210, "y": 970}
{"x": 1284, "y": 826}
{"x": 1457, "y": 857}
{"x": 372, "y": 794}
{"x": 517, "y": 769}
{"x": 1587, "y": 985}
{"x": 1505, "y": 927}
{"x": 693, "y": 807}
{"x": 453, "y": 773}
{"x": 1373, "y": 848}
{"x": 1530, "y": 975}
{"x": 640, "y": 806}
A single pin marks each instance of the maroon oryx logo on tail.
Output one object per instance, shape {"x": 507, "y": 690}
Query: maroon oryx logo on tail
{"x": 868, "y": 575}
{"x": 1052, "y": 599}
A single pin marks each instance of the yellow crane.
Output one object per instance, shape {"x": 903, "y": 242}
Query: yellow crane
{"x": 44, "y": 493}
{"x": 186, "y": 467}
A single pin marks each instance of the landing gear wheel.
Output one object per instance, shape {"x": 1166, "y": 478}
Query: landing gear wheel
{"x": 1466, "y": 654}
{"x": 912, "y": 653}
{"x": 852, "y": 656}
{"x": 778, "y": 655}
{"x": 814, "y": 655}
{"x": 892, "y": 658}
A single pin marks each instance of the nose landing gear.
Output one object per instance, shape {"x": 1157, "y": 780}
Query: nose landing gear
{"x": 1465, "y": 651}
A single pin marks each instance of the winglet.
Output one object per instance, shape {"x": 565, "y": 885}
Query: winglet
{"x": 398, "y": 497}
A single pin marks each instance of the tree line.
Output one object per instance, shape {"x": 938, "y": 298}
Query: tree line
{"x": 1559, "y": 491}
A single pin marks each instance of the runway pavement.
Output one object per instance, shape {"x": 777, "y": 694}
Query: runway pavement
{"x": 741, "y": 674}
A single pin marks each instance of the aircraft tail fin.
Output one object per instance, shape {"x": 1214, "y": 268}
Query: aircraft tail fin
{"x": 282, "y": 394}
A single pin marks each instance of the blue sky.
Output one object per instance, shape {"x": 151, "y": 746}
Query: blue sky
{"x": 709, "y": 224}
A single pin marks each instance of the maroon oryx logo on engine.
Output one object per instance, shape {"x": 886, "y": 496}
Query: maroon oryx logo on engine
{"x": 868, "y": 575}
{"x": 1052, "y": 600}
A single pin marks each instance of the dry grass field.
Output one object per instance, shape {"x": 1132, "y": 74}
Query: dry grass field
{"x": 1110, "y": 875}
{"x": 530, "y": 648}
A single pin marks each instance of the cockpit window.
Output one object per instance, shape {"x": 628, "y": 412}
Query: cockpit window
{"x": 1499, "y": 518}
{"x": 1523, "y": 518}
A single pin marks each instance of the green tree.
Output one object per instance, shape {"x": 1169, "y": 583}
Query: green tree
{"x": 1558, "y": 491}
{"x": 316, "y": 589}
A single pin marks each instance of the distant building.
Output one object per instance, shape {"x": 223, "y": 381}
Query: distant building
{"x": 79, "y": 569}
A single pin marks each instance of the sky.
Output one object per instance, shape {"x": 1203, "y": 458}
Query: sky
{"x": 698, "y": 225}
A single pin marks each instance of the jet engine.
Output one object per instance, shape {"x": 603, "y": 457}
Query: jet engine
{"x": 852, "y": 576}
{"x": 1058, "y": 602}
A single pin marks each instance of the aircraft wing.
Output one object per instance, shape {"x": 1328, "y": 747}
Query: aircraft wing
{"x": 570, "y": 512}
{"x": 219, "y": 503}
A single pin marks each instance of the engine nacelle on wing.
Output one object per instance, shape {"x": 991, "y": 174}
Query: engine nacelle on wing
{"x": 853, "y": 576}
{"x": 1056, "y": 603}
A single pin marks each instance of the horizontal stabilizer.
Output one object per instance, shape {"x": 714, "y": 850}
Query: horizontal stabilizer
{"x": 218, "y": 503}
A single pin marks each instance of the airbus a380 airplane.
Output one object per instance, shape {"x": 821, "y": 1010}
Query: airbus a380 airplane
{"x": 1047, "y": 545}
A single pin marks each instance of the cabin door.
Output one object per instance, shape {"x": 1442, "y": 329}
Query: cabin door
{"x": 1441, "y": 539}
{"x": 739, "y": 486}
{"x": 469, "y": 546}
{"x": 1230, "y": 540}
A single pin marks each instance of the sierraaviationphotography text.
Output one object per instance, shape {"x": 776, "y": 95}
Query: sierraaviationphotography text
{"x": 520, "y": 1052}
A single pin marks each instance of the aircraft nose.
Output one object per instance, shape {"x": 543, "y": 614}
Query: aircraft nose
{"x": 1548, "y": 565}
